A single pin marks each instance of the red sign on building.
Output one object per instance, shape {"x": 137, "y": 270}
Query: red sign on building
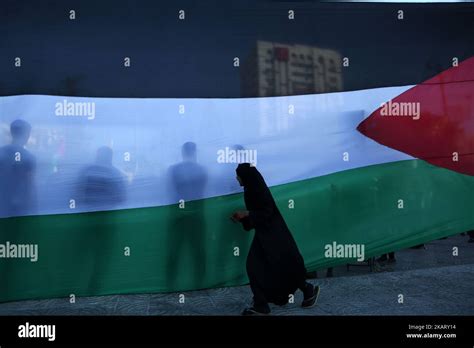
{"x": 281, "y": 53}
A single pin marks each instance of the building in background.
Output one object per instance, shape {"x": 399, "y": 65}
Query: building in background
{"x": 275, "y": 69}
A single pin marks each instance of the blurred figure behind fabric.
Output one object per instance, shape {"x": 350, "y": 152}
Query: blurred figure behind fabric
{"x": 188, "y": 178}
{"x": 186, "y": 184}
{"x": 101, "y": 186}
{"x": 17, "y": 173}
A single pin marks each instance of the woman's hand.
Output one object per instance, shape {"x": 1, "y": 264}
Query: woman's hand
{"x": 239, "y": 215}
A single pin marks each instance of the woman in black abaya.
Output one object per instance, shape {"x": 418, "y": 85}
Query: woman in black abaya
{"x": 275, "y": 266}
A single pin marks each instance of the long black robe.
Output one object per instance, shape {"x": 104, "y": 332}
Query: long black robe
{"x": 275, "y": 266}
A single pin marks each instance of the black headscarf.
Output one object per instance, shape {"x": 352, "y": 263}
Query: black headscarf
{"x": 257, "y": 195}
{"x": 251, "y": 178}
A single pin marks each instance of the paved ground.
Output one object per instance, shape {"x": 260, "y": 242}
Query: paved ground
{"x": 432, "y": 282}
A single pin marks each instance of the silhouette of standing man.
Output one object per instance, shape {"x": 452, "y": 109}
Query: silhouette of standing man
{"x": 187, "y": 181}
{"x": 101, "y": 185}
{"x": 17, "y": 172}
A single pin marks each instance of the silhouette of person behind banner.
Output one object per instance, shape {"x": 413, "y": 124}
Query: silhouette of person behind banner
{"x": 186, "y": 184}
{"x": 101, "y": 186}
{"x": 17, "y": 173}
{"x": 228, "y": 235}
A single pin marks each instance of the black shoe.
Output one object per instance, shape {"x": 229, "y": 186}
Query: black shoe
{"x": 310, "y": 301}
{"x": 382, "y": 258}
{"x": 391, "y": 260}
{"x": 255, "y": 311}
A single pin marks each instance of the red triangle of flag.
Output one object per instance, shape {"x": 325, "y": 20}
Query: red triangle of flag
{"x": 433, "y": 121}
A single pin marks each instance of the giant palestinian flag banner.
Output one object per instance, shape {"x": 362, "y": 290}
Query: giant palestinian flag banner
{"x": 109, "y": 194}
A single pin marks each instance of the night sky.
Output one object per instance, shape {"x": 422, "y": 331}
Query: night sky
{"x": 194, "y": 57}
